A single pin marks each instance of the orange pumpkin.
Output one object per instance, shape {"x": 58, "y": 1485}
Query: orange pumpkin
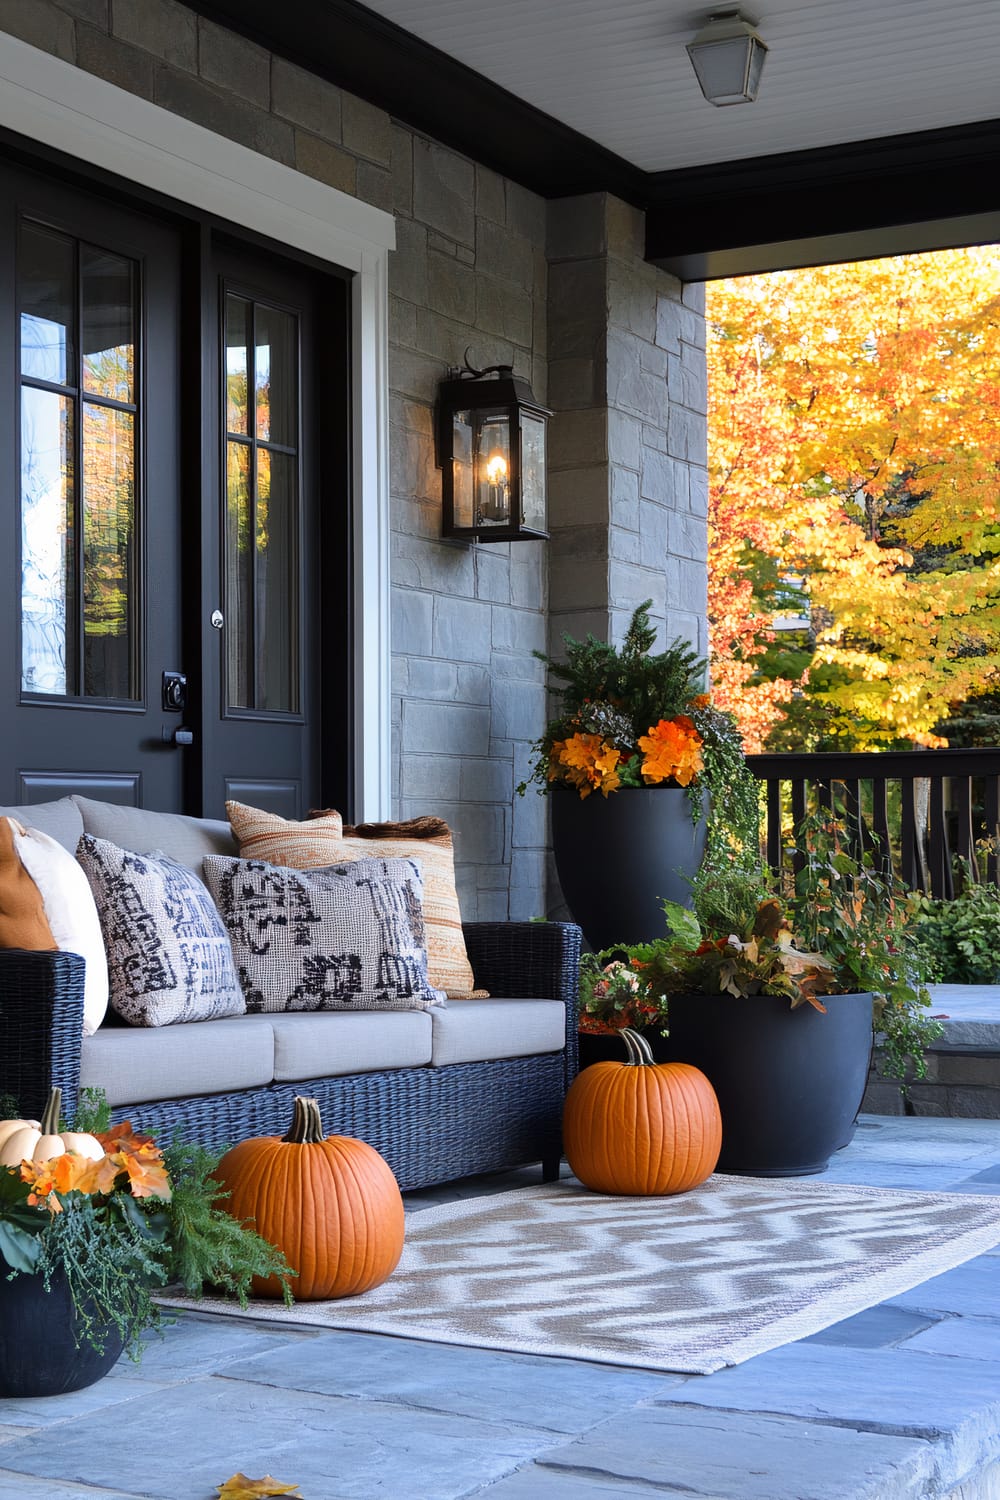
{"x": 331, "y": 1205}
{"x": 641, "y": 1127}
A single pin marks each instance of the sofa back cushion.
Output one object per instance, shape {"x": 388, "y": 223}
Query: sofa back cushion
{"x": 349, "y": 937}
{"x": 169, "y": 958}
{"x": 186, "y": 840}
{"x": 60, "y": 819}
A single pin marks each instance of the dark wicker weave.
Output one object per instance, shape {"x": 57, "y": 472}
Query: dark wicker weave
{"x": 431, "y": 1124}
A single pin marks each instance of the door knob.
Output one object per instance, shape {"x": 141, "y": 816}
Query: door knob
{"x": 181, "y": 736}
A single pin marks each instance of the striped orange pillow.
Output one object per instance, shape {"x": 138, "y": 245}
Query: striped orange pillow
{"x": 280, "y": 841}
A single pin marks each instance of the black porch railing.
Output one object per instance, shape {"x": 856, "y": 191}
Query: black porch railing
{"x": 916, "y": 810}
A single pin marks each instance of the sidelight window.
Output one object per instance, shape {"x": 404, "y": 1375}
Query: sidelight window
{"x": 78, "y": 360}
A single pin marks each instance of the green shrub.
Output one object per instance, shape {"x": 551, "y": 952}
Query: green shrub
{"x": 959, "y": 939}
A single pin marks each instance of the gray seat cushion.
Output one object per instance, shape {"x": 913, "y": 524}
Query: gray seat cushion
{"x": 134, "y": 1065}
{"x": 188, "y": 840}
{"x": 312, "y": 1044}
{"x": 60, "y": 819}
{"x": 480, "y": 1030}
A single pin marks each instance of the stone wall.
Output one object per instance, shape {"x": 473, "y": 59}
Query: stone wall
{"x": 471, "y": 271}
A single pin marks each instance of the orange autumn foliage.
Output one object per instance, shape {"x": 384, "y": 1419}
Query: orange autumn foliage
{"x": 671, "y": 751}
{"x": 854, "y": 445}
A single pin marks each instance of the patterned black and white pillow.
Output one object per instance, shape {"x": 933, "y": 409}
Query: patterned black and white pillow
{"x": 342, "y": 937}
{"x": 169, "y": 958}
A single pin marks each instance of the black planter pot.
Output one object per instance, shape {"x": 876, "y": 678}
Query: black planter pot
{"x": 619, "y": 857}
{"x": 38, "y": 1351}
{"x": 789, "y": 1082}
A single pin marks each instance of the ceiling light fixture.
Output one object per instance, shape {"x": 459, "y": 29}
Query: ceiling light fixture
{"x": 728, "y": 57}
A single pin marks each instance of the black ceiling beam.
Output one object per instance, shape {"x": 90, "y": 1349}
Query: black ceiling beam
{"x": 360, "y": 51}
{"x": 922, "y": 191}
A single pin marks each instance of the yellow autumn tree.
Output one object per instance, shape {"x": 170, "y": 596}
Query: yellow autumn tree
{"x": 854, "y": 456}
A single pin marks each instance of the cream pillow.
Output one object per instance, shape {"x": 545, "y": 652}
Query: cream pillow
{"x": 71, "y": 912}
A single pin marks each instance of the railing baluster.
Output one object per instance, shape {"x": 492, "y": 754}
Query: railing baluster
{"x": 937, "y": 844}
{"x": 991, "y": 799}
{"x": 880, "y": 826}
{"x": 961, "y": 793}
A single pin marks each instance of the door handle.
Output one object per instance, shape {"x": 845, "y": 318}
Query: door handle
{"x": 180, "y": 737}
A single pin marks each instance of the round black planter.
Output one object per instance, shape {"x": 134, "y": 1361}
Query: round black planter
{"x": 38, "y": 1352}
{"x": 619, "y": 857}
{"x": 789, "y": 1082}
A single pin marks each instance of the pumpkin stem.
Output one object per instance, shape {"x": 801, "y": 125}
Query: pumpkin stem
{"x": 640, "y": 1053}
{"x": 306, "y": 1128}
{"x": 50, "y": 1115}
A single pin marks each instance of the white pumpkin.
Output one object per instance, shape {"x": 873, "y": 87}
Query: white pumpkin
{"x": 40, "y": 1140}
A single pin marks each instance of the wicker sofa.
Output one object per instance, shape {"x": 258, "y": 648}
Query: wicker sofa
{"x": 477, "y": 1086}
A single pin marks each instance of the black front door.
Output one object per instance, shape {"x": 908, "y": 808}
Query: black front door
{"x": 176, "y": 590}
{"x": 90, "y": 425}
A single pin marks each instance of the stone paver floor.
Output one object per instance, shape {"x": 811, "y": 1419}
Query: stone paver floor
{"x": 900, "y": 1401}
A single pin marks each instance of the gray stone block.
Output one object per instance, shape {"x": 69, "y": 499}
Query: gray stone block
{"x": 473, "y": 684}
{"x": 492, "y": 905}
{"x": 428, "y": 778}
{"x": 327, "y": 163}
{"x": 479, "y": 834}
{"x": 444, "y": 190}
{"x": 163, "y": 27}
{"x": 629, "y": 585}
{"x": 698, "y": 489}
{"x": 375, "y": 185}
{"x": 687, "y": 386}
{"x": 412, "y": 620}
{"x": 305, "y": 99}
{"x": 577, "y": 227}
{"x": 575, "y": 383}
{"x": 578, "y": 497}
{"x": 501, "y": 253}
{"x": 42, "y": 24}
{"x": 626, "y": 546}
{"x": 367, "y": 130}
{"x": 231, "y": 62}
{"x": 118, "y": 62}
{"x": 408, "y": 265}
{"x": 519, "y": 630}
{"x": 413, "y": 469}
{"x": 401, "y": 163}
{"x": 225, "y": 114}
{"x": 504, "y": 309}
{"x": 876, "y": 1328}
{"x": 631, "y": 387}
{"x": 529, "y": 577}
{"x": 973, "y": 1103}
{"x": 451, "y": 288}
{"x": 450, "y": 729}
{"x": 462, "y": 629}
{"x": 492, "y": 574}
{"x": 94, "y": 12}
{"x": 625, "y": 445}
{"x": 656, "y": 524}
{"x": 519, "y": 709}
{"x": 632, "y": 298}
{"x": 626, "y": 229}
{"x": 449, "y": 338}
{"x": 430, "y": 678}
{"x": 577, "y": 439}
{"x": 527, "y": 213}
{"x": 578, "y": 543}
{"x": 965, "y": 1338}
{"x": 485, "y": 780}
{"x": 402, "y": 321}
{"x": 687, "y": 435}
{"x": 417, "y": 375}
{"x": 491, "y": 195}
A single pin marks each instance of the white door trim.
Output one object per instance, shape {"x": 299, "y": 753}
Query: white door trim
{"x": 53, "y": 102}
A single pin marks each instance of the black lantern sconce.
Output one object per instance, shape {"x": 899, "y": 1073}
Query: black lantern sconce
{"x": 491, "y": 447}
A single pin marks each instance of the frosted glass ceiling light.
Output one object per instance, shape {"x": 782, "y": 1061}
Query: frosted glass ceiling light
{"x": 728, "y": 58}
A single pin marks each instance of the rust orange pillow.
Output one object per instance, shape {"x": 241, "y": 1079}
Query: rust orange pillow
{"x": 23, "y": 923}
{"x": 281, "y": 841}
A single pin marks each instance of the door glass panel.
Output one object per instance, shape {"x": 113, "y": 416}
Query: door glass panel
{"x": 47, "y": 281}
{"x": 276, "y": 367}
{"x": 79, "y": 503}
{"x": 108, "y": 551}
{"x": 237, "y": 344}
{"x": 262, "y": 508}
{"x": 277, "y": 572}
{"x": 239, "y": 575}
{"x": 48, "y": 567}
{"x": 108, "y": 324}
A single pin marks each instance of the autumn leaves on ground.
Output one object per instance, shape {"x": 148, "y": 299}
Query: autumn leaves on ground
{"x": 854, "y": 456}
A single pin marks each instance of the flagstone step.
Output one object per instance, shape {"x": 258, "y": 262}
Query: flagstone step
{"x": 963, "y": 1067}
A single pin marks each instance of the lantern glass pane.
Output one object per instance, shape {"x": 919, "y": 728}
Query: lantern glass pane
{"x": 532, "y": 472}
{"x": 493, "y": 469}
{"x": 462, "y": 489}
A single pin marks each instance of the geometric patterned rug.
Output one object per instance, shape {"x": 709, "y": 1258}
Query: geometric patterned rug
{"x": 688, "y": 1283}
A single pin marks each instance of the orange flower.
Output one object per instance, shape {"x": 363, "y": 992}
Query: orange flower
{"x": 703, "y": 700}
{"x": 671, "y": 751}
{"x": 587, "y": 762}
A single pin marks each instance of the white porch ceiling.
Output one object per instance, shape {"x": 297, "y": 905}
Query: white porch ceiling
{"x": 615, "y": 70}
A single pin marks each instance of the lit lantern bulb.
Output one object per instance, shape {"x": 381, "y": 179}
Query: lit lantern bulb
{"x": 496, "y": 469}
{"x": 496, "y": 507}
